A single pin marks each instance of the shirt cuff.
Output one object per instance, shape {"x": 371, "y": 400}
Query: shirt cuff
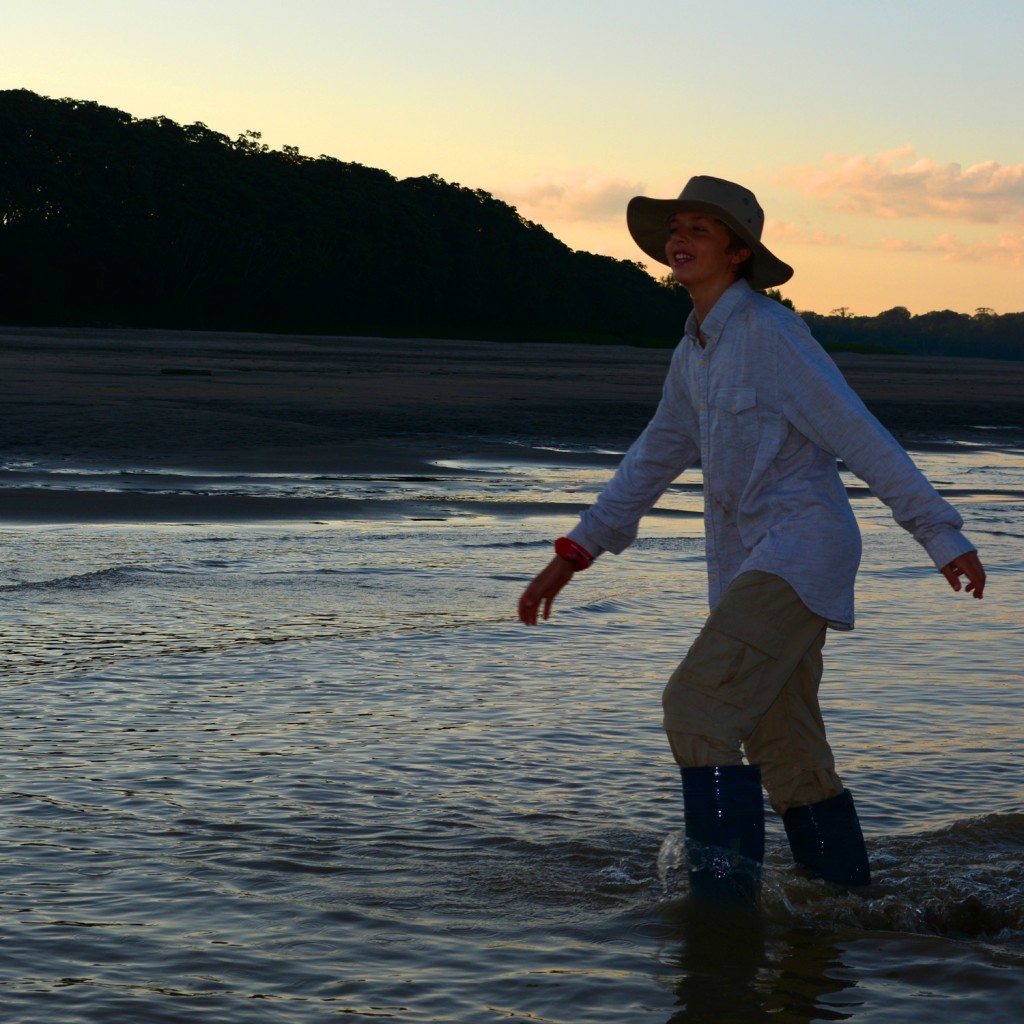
{"x": 579, "y": 535}
{"x": 946, "y": 544}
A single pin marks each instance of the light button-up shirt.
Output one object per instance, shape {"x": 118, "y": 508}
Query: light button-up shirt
{"x": 767, "y": 413}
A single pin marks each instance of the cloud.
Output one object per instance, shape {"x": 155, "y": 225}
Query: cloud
{"x": 1006, "y": 249}
{"x": 777, "y": 232}
{"x": 572, "y": 195}
{"x": 896, "y": 184}
{"x": 901, "y": 245}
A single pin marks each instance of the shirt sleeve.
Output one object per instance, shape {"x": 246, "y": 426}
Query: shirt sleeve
{"x": 668, "y": 445}
{"x": 818, "y": 401}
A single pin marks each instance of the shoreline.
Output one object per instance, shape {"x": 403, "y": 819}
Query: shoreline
{"x": 23, "y": 507}
{"x": 198, "y": 402}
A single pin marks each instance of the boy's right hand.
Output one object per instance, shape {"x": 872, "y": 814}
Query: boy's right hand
{"x": 544, "y": 588}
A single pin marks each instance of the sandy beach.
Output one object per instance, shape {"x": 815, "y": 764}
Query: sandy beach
{"x": 132, "y": 399}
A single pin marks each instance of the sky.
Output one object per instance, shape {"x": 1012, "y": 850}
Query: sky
{"x": 883, "y": 139}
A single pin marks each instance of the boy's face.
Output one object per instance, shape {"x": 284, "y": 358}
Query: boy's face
{"x": 698, "y": 251}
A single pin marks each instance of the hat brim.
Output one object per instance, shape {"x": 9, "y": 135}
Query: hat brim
{"x": 648, "y": 219}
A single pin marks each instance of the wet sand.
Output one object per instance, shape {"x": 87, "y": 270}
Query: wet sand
{"x": 133, "y": 399}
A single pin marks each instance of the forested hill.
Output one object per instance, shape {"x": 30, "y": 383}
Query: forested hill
{"x": 110, "y": 220}
{"x": 106, "y": 219}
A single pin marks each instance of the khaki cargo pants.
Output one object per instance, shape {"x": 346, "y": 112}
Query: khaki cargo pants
{"x": 750, "y": 681}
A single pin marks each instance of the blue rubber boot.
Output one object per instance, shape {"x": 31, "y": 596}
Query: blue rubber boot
{"x": 724, "y": 813}
{"x": 826, "y": 839}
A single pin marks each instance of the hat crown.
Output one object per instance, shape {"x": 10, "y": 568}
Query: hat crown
{"x": 738, "y": 202}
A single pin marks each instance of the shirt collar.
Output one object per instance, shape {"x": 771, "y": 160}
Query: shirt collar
{"x": 728, "y": 302}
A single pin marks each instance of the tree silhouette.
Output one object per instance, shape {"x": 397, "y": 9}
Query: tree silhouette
{"x": 106, "y": 219}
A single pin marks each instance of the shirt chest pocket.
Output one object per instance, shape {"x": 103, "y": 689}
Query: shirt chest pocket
{"x": 736, "y": 423}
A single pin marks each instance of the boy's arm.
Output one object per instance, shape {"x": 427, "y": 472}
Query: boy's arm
{"x": 665, "y": 448}
{"x": 822, "y": 406}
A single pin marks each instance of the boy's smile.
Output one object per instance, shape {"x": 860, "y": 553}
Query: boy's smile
{"x": 698, "y": 248}
{"x": 698, "y": 251}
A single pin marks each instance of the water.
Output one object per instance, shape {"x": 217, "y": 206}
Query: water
{"x": 311, "y": 769}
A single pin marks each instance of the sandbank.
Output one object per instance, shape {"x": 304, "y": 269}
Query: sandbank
{"x": 245, "y": 403}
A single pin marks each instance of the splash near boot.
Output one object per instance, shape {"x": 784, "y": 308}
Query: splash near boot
{"x": 724, "y": 813}
{"x": 826, "y": 839}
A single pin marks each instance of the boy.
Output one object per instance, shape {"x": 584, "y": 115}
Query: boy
{"x": 754, "y": 398}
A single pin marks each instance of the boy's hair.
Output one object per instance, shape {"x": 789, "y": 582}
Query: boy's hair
{"x": 746, "y": 268}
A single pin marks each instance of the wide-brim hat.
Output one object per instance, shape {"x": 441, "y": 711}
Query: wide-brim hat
{"x": 728, "y": 202}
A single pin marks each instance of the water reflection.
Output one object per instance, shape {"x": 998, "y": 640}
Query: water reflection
{"x": 740, "y": 969}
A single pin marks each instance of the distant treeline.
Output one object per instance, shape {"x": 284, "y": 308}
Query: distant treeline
{"x": 982, "y": 334}
{"x": 109, "y": 220}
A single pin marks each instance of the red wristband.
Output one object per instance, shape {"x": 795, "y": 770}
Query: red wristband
{"x": 580, "y": 557}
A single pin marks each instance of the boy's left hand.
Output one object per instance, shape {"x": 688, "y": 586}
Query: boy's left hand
{"x": 968, "y": 565}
